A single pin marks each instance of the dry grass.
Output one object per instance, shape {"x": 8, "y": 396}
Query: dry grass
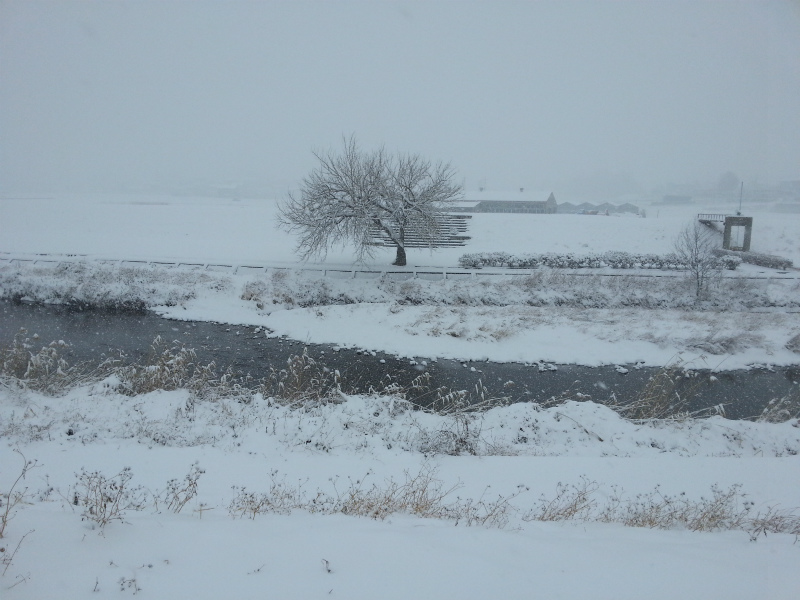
{"x": 459, "y": 435}
{"x": 304, "y": 381}
{"x": 424, "y": 495}
{"x": 282, "y": 498}
{"x": 179, "y": 493}
{"x": 45, "y": 370}
{"x": 665, "y": 396}
{"x": 167, "y": 367}
{"x": 105, "y": 499}
{"x": 723, "y": 510}
{"x": 11, "y": 499}
{"x": 420, "y": 494}
{"x": 774, "y": 520}
{"x": 780, "y": 410}
{"x": 570, "y": 502}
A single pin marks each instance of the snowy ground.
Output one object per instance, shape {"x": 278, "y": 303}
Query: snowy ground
{"x": 205, "y": 552}
{"x": 556, "y": 317}
{"x": 510, "y": 459}
{"x": 243, "y": 231}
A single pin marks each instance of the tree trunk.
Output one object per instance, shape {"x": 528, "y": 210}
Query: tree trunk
{"x": 400, "y": 261}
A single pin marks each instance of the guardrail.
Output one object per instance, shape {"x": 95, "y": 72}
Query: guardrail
{"x": 431, "y": 273}
{"x": 447, "y": 234}
{"x": 711, "y": 217}
{"x": 422, "y": 273}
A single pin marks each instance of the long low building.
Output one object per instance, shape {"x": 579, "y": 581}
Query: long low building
{"x": 504, "y": 202}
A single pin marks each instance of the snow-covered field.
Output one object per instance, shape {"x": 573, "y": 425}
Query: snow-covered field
{"x": 243, "y": 231}
{"x": 310, "y": 467}
{"x": 750, "y": 318}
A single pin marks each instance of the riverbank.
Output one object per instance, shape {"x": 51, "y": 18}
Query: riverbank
{"x": 227, "y": 489}
{"x": 253, "y": 354}
{"x": 548, "y": 315}
{"x": 171, "y": 493}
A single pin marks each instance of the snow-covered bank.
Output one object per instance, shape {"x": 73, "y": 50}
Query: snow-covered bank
{"x": 547, "y": 315}
{"x": 557, "y": 335}
{"x": 376, "y": 426}
{"x": 523, "y": 456}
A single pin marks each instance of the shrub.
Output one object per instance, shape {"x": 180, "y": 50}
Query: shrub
{"x": 613, "y": 260}
{"x": 105, "y": 499}
{"x": 14, "y": 496}
{"x": 179, "y": 493}
{"x": 754, "y": 258}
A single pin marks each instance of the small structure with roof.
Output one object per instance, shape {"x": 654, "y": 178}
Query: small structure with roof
{"x": 508, "y": 202}
{"x": 737, "y": 232}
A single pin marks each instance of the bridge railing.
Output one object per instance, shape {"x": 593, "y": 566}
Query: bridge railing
{"x": 446, "y": 236}
{"x": 712, "y": 217}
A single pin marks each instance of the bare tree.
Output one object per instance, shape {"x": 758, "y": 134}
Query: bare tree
{"x": 351, "y": 195}
{"x": 696, "y": 247}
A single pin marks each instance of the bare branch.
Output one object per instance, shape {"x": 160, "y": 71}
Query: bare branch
{"x": 697, "y": 248}
{"x": 351, "y": 192}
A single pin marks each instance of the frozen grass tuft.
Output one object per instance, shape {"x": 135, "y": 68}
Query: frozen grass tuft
{"x": 424, "y": 495}
{"x": 45, "y": 370}
{"x": 179, "y": 493}
{"x": 105, "y": 499}
{"x": 661, "y": 398}
{"x": 304, "y": 381}
{"x": 14, "y": 496}
{"x": 723, "y": 510}
{"x": 421, "y": 494}
{"x": 168, "y": 367}
{"x": 780, "y": 410}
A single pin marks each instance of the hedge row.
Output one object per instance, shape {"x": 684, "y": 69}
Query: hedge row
{"x": 761, "y": 260}
{"x": 614, "y": 260}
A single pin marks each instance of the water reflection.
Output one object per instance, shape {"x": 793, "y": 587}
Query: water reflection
{"x": 94, "y": 334}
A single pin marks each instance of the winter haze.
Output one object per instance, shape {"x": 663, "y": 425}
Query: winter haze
{"x": 119, "y": 96}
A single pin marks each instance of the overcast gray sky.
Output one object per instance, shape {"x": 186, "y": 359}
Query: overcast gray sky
{"x": 106, "y": 94}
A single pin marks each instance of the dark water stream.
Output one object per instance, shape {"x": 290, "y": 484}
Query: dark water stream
{"x": 93, "y": 334}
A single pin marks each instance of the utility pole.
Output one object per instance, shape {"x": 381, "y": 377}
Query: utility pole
{"x": 741, "y": 189}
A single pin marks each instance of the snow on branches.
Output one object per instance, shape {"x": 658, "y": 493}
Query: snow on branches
{"x": 352, "y": 193}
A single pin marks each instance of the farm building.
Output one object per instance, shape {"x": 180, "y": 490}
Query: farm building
{"x": 589, "y": 208}
{"x": 504, "y": 202}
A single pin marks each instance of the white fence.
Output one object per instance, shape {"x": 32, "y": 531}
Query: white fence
{"x": 424, "y": 273}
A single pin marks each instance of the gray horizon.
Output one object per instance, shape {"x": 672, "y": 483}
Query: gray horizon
{"x": 628, "y": 95}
